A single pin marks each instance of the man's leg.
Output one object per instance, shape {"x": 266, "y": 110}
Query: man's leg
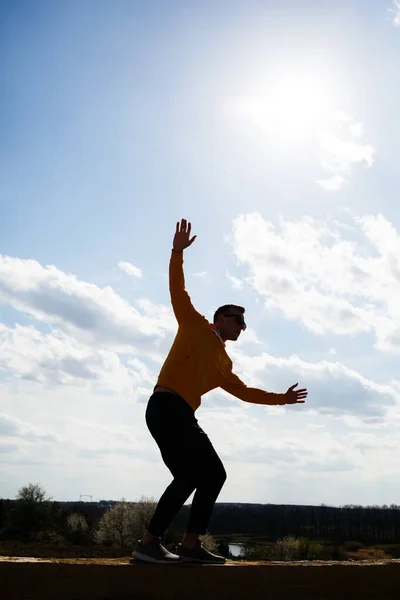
{"x": 168, "y": 506}
{"x": 210, "y": 477}
{"x": 172, "y": 424}
{"x": 190, "y": 456}
{"x": 195, "y": 465}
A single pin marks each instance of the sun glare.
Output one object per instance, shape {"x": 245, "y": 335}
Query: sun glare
{"x": 292, "y": 109}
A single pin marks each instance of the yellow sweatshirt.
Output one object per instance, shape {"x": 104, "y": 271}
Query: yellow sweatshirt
{"x": 197, "y": 361}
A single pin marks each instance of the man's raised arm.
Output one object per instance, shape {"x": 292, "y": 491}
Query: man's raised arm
{"x": 180, "y": 299}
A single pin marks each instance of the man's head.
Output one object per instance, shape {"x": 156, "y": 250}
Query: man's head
{"x": 229, "y": 321}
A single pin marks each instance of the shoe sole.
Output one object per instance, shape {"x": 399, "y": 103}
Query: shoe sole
{"x": 156, "y": 561}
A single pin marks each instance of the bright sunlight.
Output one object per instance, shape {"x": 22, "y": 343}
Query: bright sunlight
{"x": 292, "y": 110}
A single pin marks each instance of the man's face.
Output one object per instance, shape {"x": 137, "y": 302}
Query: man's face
{"x": 231, "y": 324}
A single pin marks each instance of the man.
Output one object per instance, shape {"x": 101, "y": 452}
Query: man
{"x": 196, "y": 364}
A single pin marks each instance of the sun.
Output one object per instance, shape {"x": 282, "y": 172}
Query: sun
{"x": 292, "y": 109}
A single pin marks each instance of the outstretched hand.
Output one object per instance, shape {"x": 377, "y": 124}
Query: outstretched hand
{"x": 293, "y": 396}
{"x": 182, "y": 236}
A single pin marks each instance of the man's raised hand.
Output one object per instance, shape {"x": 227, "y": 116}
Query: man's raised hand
{"x": 293, "y": 396}
{"x": 182, "y": 236}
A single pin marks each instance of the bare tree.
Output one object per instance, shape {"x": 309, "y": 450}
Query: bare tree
{"x": 209, "y": 543}
{"x": 77, "y": 528}
{"x": 125, "y": 522}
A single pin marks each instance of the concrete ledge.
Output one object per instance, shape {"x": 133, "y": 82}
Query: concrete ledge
{"x": 117, "y": 579}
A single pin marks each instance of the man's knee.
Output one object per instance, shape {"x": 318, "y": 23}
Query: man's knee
{"x": 215, "y": 475}
{"x": 222, "y": 475}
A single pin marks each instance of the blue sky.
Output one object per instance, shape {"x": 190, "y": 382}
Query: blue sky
{"x": 275, "y": 132}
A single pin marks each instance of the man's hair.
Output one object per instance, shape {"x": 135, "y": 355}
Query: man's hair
{"x": 226, "y": 308}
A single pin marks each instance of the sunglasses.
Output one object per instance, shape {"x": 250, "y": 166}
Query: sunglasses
{"x": 239, "y": 320}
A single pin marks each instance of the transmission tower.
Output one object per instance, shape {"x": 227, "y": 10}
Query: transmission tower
{"x": 85, "y": 496}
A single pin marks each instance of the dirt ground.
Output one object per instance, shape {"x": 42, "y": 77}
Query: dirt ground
{"x": 42, "y": 550}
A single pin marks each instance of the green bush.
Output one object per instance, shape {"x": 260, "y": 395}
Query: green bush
{"x": 31, "y": 514}
{"x": 392, "y": 549}
{"x": 352, "y": 546}
{"x": 48, "y": 536}
{"x": 310, "y": 551}
{"x": 336, "y": 553}
{"x": 77, "y": 529}
{"x": 292, "y": 548}
{"x": 256, "y": 553}
{"x": 286, "y": 549}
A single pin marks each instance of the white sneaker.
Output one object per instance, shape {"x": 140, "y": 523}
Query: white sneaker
{"x": 154, "y": 552}
{"x": 199, "y": 554}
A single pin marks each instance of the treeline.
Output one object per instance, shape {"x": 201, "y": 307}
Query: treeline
{"x": 111, "y": 527}
{"x": 369, "y": 525}
{"x": 31, "y": 516}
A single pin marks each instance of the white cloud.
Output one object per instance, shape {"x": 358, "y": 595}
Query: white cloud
{"x": 200, "y": 274}
{"x": 246, "y": 338}
{"x": 58, "y": 359}
{"x": 396, "y": 18}
{"x": 293, "y": 451}
{"x": 130, "y": 269}
{"x": 342, "y": 148}
{"x": 73, "y": 406}
{"x": 76, "y": 441}
{"x": 311, "y": 274}
{"x": 332, "y": 184}
{"x": 304, "y": 112}
{"x": 79, "y": 441}
{"x": 237, "y": 284}
{"x": 333, "y": 388}
{"x": 11, "y": 427}
{"x": 80, "y": 309}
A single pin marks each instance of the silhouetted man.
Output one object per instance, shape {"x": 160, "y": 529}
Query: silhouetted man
{"x": 197, "y": 363}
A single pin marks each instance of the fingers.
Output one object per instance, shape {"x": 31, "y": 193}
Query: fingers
{"x": 185, "y": 227}
{"x": 299, "y": 393}
{"x": 296, "y": 396}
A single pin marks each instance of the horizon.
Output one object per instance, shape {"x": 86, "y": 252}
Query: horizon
{"x": 218, "y": 503}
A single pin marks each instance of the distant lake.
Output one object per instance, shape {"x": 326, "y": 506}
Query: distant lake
{"x": 235, "y": 549}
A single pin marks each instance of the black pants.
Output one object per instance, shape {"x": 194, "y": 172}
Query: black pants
{"x": 191, "y": 458}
